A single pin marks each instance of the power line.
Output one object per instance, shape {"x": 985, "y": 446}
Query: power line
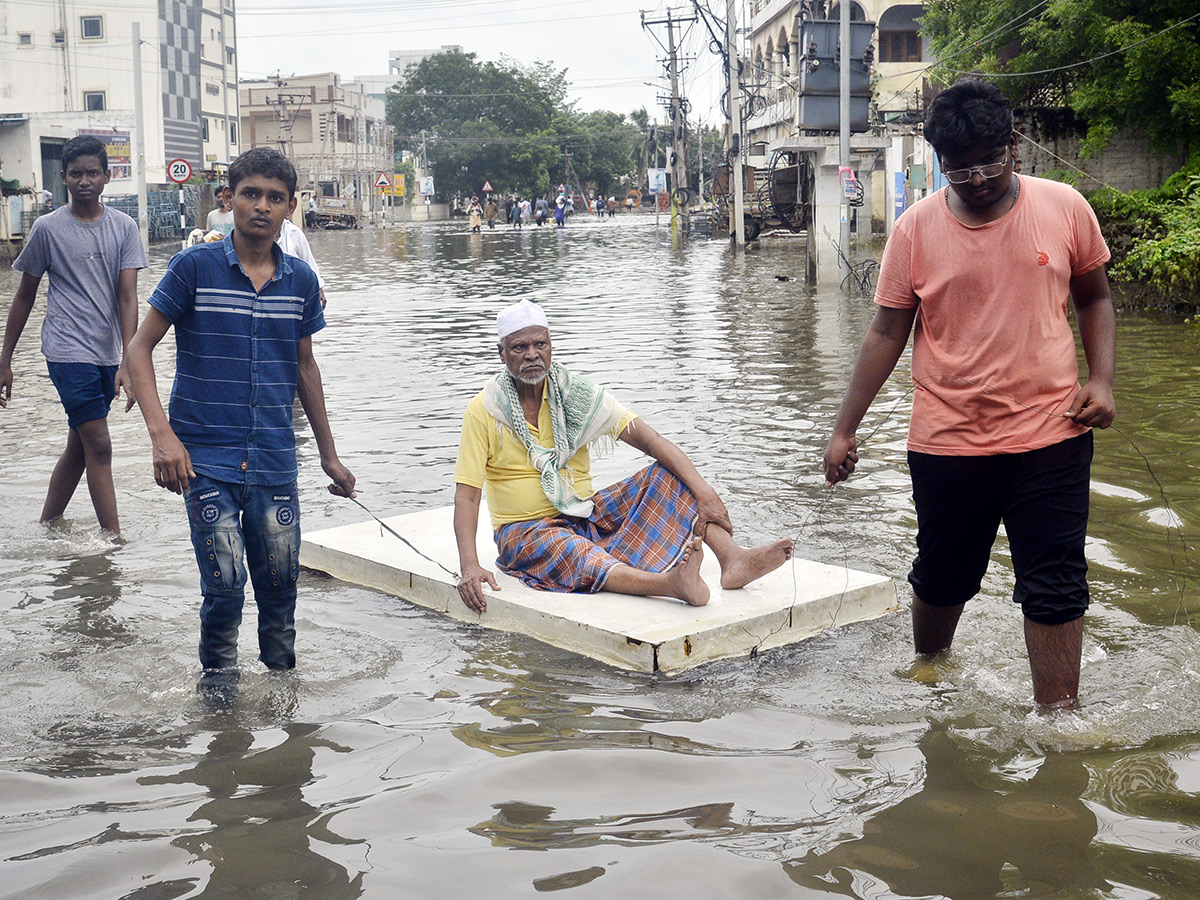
{"x": 374, "y": 27}
{"x": 544, "y": 138}
{"x": 1075, "y": 65}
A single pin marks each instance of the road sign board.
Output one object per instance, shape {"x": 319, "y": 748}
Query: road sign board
{"x": 383, "y": 181}
{"x": 179, "y": 170}
{"x": 487, "y": 187}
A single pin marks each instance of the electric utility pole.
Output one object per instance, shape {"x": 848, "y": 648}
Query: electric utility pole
{"x": 139, "y": 143}
{"x": 677, "y": 153}
{"x": 844, "y": 132}
{"x": 738, "y": 224}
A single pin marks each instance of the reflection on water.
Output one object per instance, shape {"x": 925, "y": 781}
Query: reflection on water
{"x": 1030, "y": 839}
{"x": 261, "y": 832}
{"x": 413, "y": 756}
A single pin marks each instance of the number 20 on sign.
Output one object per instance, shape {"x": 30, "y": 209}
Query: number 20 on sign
{"x": 179, "y": 170}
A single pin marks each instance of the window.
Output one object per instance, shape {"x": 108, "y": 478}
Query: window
{"x": 233, "y": 132}
{"x": 24, "y": 39}
{"x": 899, "y": 46}
{"x": 204, "y": 128}
{"x": 60, "y": 38}
{"x": 91, "y": 28}
{"x": 857, "y": 14}
{"x": 94, "y": 100}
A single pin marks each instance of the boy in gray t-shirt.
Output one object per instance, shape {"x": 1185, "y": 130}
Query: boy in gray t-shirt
{"x": 92, "y": 254}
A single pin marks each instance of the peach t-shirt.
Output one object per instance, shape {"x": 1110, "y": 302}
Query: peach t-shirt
{"x": 993, "y": 350}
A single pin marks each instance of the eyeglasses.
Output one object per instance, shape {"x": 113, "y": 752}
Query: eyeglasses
{"x": 991, "y": 170}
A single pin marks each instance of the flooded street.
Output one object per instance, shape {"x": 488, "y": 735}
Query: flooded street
{"x": 411, "y": 756}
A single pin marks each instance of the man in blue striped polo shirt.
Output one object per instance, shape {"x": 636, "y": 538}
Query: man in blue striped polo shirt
{"x": 244, "y": 314}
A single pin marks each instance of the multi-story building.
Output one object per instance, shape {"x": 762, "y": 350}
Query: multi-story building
{"x": 335, "y": 133}
{"x": 398, "y": 63}
{"x": 897, "y": 60}
{"x": 901, "y": 56}
{"x": 67, "y": 68}
{"x": 219, "y": 118}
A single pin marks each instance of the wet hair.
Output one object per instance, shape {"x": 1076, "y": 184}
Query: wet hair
{"x": 969, "y": 115}
{"x": 266, "y": 162}
{"x": 84, "y": 145}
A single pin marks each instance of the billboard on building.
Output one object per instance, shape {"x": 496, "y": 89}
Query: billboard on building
{"x": 116, "y": 145}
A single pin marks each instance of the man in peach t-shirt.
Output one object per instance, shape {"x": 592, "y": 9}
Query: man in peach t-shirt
{"x": 981, "y": 273}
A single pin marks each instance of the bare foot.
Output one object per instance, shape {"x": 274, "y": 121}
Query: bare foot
{"x": 685, "y": 580}
{"x": 756, "y": 562}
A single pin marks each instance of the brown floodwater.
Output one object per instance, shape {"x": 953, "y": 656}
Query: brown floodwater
{"x": 412, "y": 756}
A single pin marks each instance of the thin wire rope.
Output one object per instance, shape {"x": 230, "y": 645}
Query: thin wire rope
{"x": 1173, "y": 518}
{"x": 409, "y": 544}
{"x": 1070, "y": 164}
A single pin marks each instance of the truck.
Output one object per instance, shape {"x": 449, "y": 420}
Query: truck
{"x": 335, "y": 212}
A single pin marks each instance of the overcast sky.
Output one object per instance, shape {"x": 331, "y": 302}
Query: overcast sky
{"x": 608, "y": 55}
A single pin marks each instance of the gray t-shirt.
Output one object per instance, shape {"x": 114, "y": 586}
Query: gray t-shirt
{"x": 220, "y": 221}
{"x": 84, "y": 260}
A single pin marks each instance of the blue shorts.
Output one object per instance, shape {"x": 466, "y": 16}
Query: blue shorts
{"x": 86, "y": 390}
{"x": 1042, "y": 498}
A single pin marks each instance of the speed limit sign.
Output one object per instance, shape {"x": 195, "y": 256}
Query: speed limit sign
{"x": 179, "y": 170}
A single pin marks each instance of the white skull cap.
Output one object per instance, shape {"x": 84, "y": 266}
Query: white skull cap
{"x": 524, "y": 314}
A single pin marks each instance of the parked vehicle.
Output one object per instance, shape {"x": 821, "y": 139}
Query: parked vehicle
{"x": 337, "y": 212}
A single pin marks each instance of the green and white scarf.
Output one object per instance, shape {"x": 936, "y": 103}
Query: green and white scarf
{"x": 581, "y": 412}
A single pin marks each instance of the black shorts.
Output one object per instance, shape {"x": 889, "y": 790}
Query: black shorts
{"x": 1042, "y": 498}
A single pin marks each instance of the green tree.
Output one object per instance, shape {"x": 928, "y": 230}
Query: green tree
{"x": 505, "y": 123}
{"x": 601, "y": 144}
{"x": 1141, "y": 60}
{"x": 478, "y": 120}
{"x": 644, "y": 150}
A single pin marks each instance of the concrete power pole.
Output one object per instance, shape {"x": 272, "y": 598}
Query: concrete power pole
{"x": 735, "y": 148}
{"x": 139, "y": 144}
{"x": 225, "y": 87}
{"x": 844, "y": 131}
{"x": 677, "y": 160}
{"x": 678, "y": 143}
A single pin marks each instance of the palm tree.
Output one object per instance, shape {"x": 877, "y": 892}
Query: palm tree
{"x": 640, "y": 119}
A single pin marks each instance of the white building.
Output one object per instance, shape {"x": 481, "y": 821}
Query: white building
{"x": 400, "y": 60}
{"x": 67, "y": 67}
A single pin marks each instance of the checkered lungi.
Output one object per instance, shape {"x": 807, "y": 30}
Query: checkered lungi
{"x": 644, "y": 521}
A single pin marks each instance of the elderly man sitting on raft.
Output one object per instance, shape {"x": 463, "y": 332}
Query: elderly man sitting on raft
{"x": 525, "y": 438}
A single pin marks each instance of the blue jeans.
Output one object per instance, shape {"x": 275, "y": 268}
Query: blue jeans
{"x": 260, "y": 523}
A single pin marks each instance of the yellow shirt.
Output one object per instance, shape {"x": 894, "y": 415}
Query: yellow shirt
{"x": 491, "y": 457}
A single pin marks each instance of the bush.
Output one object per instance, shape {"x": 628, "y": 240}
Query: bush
{"x": 1155, "y": 236}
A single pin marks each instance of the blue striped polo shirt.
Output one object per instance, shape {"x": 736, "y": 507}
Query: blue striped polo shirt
{"x": 235, "y": 360}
